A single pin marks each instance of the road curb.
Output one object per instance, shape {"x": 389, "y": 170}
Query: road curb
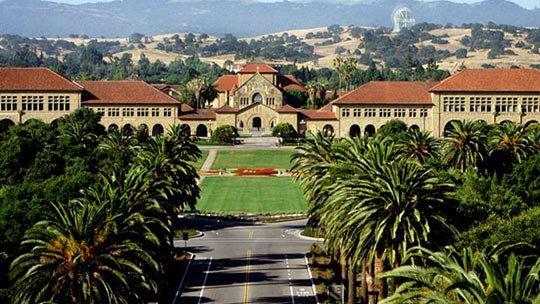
{"x": 308, "y": 237}
{"x": 311, "y": 279}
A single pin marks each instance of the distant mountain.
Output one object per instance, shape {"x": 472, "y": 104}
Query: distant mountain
{"x": 243, "y": 18}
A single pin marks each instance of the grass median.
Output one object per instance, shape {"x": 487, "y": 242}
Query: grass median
{"x": 251, "y": 195}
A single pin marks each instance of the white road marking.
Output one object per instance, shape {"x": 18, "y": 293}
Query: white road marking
{"x": 292, "y": 294}
{"x": 311, "y": 278}
{"x": 181, "y": 282}
{"x": 205, "y": 279}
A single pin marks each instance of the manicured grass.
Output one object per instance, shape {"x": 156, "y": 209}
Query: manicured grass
{"x": 198, "y": 164}
{"x": 251, "y": 195}
{"x": 278, "y": 159}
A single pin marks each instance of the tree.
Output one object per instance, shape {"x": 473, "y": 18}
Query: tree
{"x": 491, "y": 276}
{"x": 465, "y": 145}
{"x": 102, "y": 248}
{"x": 197, "y": 87}
{"x": 389, "y": 204}
{"x": 285, "y": 131}
{"x": 312, "y": 87}
{"x": 346, "y": 69}
{"x": 510, "y": 142}
{"x": 461, "y": 53}
{"x": 420, "y": 145}
{"x": 225, "y": 134}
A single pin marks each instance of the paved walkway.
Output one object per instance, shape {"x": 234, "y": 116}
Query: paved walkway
{"x": 247, "y": 143}
{"x": 207, "y": 165}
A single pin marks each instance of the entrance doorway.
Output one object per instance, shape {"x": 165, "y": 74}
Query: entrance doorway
{"x": 257, "y": 123}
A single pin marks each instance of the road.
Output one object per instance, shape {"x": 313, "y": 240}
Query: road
{"x": 238, "y": 263}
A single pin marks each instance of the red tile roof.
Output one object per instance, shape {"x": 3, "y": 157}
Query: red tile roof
{"x": 201, "y": 114}
{"x": 34, "y": 79}
{"x": 226, "y": 109}
{"x": 289, "y": 82}
{"x": 319, "y": 115}
{"x": 491, "y": 80}
{"x": 226, "y": 83}
{"x": 124, "y": 92}
{"x": 184, "y": 107}
{"x": 389, "y": 92}
{"x": 260, "y": 67}
{"x": 286, "y": 109}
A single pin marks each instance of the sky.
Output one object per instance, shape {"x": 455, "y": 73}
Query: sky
{"x": 525, "y": 3}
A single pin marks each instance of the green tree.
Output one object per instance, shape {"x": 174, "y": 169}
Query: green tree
{"x": 225, "y": 134}
{"x": 285, "y": 131}
{"x": 465, "y": 145}
{"x": 420, "y": 145}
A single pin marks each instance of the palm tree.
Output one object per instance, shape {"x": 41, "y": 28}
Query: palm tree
{"x": 388, "y": 205}
{"x": 312, "y": 87}
{"x": 466, "y": 277}
{"x": 510, "y": 139}
{"x": 197, "y": 86}
{"x": 420, "y": 145}
{"x": 465, "y": 145}
{"x": 101, "y": 248}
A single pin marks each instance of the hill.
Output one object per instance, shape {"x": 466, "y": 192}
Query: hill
{"x": 35, "y": 18}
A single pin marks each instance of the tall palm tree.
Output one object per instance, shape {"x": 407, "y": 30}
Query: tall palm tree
{"x": 466, "y": 277}
{"x": 101, "y": 248}
{"x": 197, "y": 86}
{"x": 466, "y": 145}
{"x": 420, "y": 145}
{"x": 312, "y": 88}
{"x": 390, "y": 204}
{"x": 510, "y": 139}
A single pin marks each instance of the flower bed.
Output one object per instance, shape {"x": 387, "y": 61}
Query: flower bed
{"x": 264, "y": 171}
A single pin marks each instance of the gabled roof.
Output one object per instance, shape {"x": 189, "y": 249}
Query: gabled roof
{"x": 226, "y": 83}
{"x": 261, "y": 67}
{"x": 389, "y": 93}
{"x": 491, "y": 80}
{"x": 226, "y": 109}
{"x": 286, "y": 109}
{"x": 34, "y": 79}
{"x": 201, "y": 114}
{"x": 289, "y": 82}
{"x": 124, "y": 92}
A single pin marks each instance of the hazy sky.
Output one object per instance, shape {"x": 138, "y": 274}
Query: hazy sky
{"x": 524, "y": 3}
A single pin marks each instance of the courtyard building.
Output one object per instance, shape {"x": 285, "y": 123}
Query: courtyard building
{"x": 259, "y": 97}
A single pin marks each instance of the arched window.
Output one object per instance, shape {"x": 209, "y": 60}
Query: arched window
{"x": 127, "y": 130}
{"x": 448, "y": 127}
{"x": 414, "y": 128}
{"x": 201, "y": 131}
{"x": 257, "y": 98}
{"x": 186, "y": 129}
{"x": 157, "y": 130}
{"x": 369, "y": 130}
{"x": 328, "y": 129}
{"x": 113, "y": 127}
{"x": 6, "y": 124}
{"x": 143, "y": 128}
{"x": 355, "y": 131}
{"x": 241, "y": 124}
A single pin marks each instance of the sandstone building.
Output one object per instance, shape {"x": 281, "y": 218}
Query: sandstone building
{"x": 257, "y": 98}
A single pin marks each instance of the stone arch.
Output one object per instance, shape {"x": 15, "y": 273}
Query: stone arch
{"x": 143, "y": 128}
{"x": 256, "y": 122}
{"x": 369, "y": 130}
{"x": 272, "y": 123}
{"x": 355, "y": 131}
{"x": 414, "y": 128}
{"x": 113, "y": 127}
{"x": 241, "y": 124}
{"x": 5, "y": 124}
{"x": 530, "y": 122}
{"x": 54, "y": 123}
{"x": 201, "y": 131}
{"x": 157, "y": 130}
{"x": 328, "y": 129}
{"x": 448, "y": 127}
{"x": 185, "y": 127}
{"x": 127, "y": 130}
{"x": 505, "y": 122}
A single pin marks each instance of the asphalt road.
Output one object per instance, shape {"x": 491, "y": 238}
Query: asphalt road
{"x": 239, "y": 263}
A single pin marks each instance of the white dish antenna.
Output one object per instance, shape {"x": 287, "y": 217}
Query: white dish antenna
{"x": 402, "y": 17}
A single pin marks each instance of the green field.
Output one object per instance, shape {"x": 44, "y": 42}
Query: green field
{"x": 278, "y": 159}
{"x": 198, "y": 164}
{"x": 251, "y": 194}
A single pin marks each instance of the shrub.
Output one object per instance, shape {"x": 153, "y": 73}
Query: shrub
{"x": 285, "y": 131}
{"x": 224, "y": 134}
{"x": 461, "y": 53}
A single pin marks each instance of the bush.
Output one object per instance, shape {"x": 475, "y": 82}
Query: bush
{"x": 285, "y": 131}
{"x": 224, "y": 134}
{"x": 461, "y": 53}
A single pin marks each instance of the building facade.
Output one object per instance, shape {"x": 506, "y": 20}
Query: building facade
{"x": 256, "y": 99}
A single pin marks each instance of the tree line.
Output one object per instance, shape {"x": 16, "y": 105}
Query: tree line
{"x": 426, "y": 220}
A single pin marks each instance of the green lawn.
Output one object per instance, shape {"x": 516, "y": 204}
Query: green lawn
{"x": 251, "y": 194}
{"x": 278, "y": 159}
{"x": 198, "y": 164}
